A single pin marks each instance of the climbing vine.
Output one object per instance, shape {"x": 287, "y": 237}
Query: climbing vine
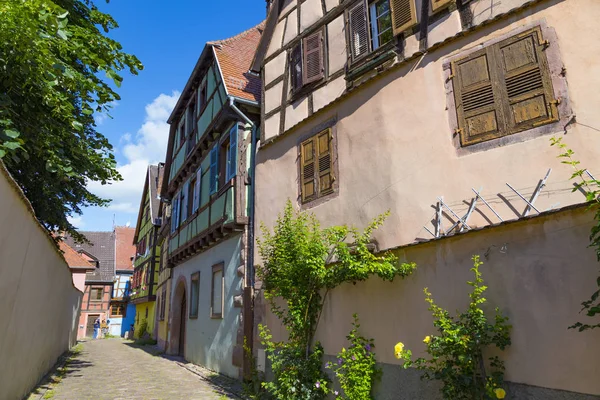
{"x": 591, "y": 187}
{"x": 302, "y": 262}
{"x": 456, "y": 353}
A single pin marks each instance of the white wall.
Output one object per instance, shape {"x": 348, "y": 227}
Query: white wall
{"x": 210, "y": 342}
{"x": 39, "y": 306}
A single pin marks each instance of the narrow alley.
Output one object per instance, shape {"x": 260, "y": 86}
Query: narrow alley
{"x": 117, "y": 369}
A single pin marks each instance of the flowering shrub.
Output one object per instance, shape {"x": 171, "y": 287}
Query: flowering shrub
{"x": 355, "y": 367}
{"x": 457, "y": 352}
{"x": 302, "y": 262}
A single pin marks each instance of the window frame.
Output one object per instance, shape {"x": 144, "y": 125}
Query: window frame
{"x": 122, "y": 306}
{"x": 217, "y": 268}
{"x": 194, "y": 282}
{"x": 558, "y": 82}
{"x": 99, "y": 290}
{"x": 298, "y": 84}
{"x": 313, "y": 134}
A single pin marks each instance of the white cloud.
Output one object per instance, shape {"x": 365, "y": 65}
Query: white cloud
{"x": 76, "y": 221}
{"x": 147, "y": 146}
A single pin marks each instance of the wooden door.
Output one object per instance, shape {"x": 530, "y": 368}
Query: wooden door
{"x": 89, "y": 329}
{"x": 182, "y": 326}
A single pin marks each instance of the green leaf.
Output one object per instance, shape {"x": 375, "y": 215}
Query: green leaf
{"x": 62, "y": 34}
{"x": 12, "y": 145}
{"x": 11, "y": 133}
{"x": 2, "y": 153}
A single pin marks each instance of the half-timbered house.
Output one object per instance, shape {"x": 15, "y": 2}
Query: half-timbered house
{"x": 441, "y": 112}
{"x": 147, "y": 255}
{"x": 207, "y": 184}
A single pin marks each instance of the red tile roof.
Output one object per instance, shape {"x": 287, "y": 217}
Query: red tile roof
{"x": 124, "y": 248}
{"x": 235, "y": 57}
{"x": 73, "y": 258}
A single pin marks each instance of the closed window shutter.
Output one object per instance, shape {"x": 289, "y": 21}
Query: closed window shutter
{"x": 359, "y": 31}
{"x": 214, "y": 169}
{"x": 526, "y": 81}
{"x": 231, "y": 166}
{"x": 438, "y": 5}
{"x": 477, "y": 101}
{"x": 307, "y": 170}
{"x": 313, "y": 69}
{"x": 404, "y": 15}
{"x": 296, "y": 67}
{"x": 325, "y": 160}
{"x": 175, "y": 214}
{"x": 197, "y": 190}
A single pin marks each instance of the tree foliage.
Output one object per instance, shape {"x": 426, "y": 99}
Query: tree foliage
{"x": 56, "y": 66}
{"x": 301, "y": 263}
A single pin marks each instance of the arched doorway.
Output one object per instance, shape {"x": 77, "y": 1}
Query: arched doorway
{"x": 179, "y": 317}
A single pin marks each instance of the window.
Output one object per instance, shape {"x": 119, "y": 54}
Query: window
{"x": 503, "y": 89}
{"x": 373, "y": 24}
{"x": 183, "y": 200}
{"x": 232, "y": 152}
{"x": 216, "y": 298}
{"x": 197, "y": 185}
{"x": 175, "y": 214}
{"x": 214, "y": 169}
{"x": 182, "y": 132}
{"x": 192, "y": 198}
{"x": 306, "y": 61}
{"x": 316, "y": 166}
{"x": 202, "y": 97}
{"x": 96, "y": 294}
{"x": 194, "y": 294}
{"x": 190, "y": 127}
{"x": 117, "y": 310}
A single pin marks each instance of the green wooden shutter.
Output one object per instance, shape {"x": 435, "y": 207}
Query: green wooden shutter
{"x": 404, "y": 15}
{"x": 232, "y": 164}
{"x": 525, "y": 81}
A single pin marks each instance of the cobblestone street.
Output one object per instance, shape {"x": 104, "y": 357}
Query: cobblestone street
{"x": 115, "y": 369}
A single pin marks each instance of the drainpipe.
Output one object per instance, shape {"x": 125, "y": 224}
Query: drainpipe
{"x": 248, "y": 295}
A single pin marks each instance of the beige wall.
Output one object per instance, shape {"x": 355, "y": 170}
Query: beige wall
{"x": 538, "y": 271}
{"x": 40, "y": 306}
{"x": 396, "y": 152}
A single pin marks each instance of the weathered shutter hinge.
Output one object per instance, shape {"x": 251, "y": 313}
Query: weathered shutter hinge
{"x": 458, "y": 131}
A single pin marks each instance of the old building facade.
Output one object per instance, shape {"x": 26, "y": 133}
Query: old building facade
{"x": 441, "y": 112}
{"x": 206, "y": 183}
{"x": 147, "y": 258}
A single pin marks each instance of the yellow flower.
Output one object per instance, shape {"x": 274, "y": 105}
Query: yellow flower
{"x": 398, "y": 350}
{"x": 427, "y": 339}
{"x": 500, "y": 393}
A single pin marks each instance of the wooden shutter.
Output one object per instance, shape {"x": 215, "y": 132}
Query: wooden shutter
{"x": 312, "y": 68}
{"x": 307, "y": 170}
{"x": 296, "y": 67}
{"x": 526, "y": 81}
{"x": 438, "y": 5}
{"x": 214, "y": 169}
{"x": 477, "y": 103}
{"x": 233, "y": 138}
{"x": 325, "y": 159}
{"x": 175, "y": 214}
{"x": 359, "y": 31}
{"x": 197, "y": 190}
{"x": 404, "y": 15}
{"x": 184, "y": 201}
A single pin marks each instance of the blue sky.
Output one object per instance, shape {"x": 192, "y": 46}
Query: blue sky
{"x": 168, "y": 38}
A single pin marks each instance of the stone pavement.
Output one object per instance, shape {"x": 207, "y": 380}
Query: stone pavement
{"x": 111, "y": 369}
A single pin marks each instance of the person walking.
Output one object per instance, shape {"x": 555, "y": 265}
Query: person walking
{"x": 103, "y": 328}
{"x": 96, "y": 328}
